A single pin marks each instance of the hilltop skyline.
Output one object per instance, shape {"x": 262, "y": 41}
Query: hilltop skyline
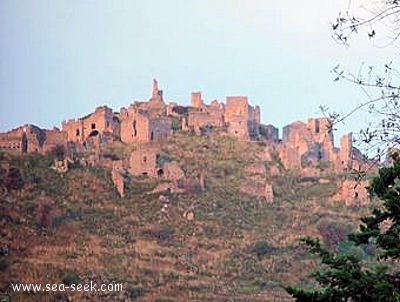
{"x": 70, "y": 57}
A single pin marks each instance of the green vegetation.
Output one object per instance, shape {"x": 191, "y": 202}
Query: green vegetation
{"x": 347, "y": 276}
{"x": 237, "y": 247}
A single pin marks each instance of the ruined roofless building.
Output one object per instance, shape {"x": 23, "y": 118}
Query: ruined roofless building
{"x": 202, "y": 115}
{"x": 151, "y": 120}
{"x": 30, "y": 139}
{"x": 240, "y": 119}
{"x": 243, "y": 120}
{"x": 313, "y": 142}
{"x": 146, "y": 121}
{"x": 101, "y": 122}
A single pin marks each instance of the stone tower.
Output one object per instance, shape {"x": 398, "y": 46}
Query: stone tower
{"x": 156, "y": 94}
{"x": 195, "y": 100}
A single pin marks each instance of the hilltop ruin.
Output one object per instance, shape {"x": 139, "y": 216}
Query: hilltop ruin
{"x": 303, "y": 145}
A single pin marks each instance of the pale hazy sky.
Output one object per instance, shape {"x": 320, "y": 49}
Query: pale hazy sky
{"x": 61, "y": 59}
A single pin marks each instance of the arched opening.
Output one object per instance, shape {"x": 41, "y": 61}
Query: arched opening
{"x": 24, "y": 143}
{"x": 94, "y": 133}
{"x": 134, "y": 128}
{"x": 160, "y": 172}
{"x": 152, "y": 136}
{"x": 355, "y": 195}
{"x": 317, "y": 128}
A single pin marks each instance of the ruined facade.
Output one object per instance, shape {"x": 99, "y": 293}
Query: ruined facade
{"x": 312, "y": 141}
{"x": 201, "y": 115}
{"x": 101, "y": 122}
{"x": 237, "y": 116}
{"x": 30, "y": 139}
{"x": 311, "y": 144}
{"x": 139, "y": 126}
{"x": 146, "y": 121}
{"x": 352, "y": 192}
{"x": 243, "y": 120}
{"x": 270, "y": 133}
{"x": 118, "y": 181}
{"x": 144, "y": 162}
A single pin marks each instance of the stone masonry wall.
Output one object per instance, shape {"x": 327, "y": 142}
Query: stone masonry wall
{"x": 99, "y": 122}
{"x": 195, "y": 100}
{"x": 143, "y": 162}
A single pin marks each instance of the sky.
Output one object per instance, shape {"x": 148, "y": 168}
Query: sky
{"x": 60, "y": 59}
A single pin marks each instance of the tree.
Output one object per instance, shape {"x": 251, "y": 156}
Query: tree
{"x": 379, "y": 22}
{"x": 378, "y": 18}
{"x": 347, "y": 277}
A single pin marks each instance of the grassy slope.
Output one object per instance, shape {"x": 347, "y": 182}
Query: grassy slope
{"x": 238, "y": 248}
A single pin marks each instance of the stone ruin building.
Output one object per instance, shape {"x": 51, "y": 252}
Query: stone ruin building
{"x": 310, "y": 144}
{"x": 101, "y": 122}
{"x": 145, "y": 121}
{"x": 236, "y": 116}
{"x": 30, "y": 139}
{"x": 303, "y": 144}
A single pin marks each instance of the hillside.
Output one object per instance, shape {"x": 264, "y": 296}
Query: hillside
{"x": 73, "y": 227}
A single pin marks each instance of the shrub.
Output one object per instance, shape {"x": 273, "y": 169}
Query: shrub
{"x": 262, "y": 248}
{"x": 14, "y": 180}
{"x": 135, "y": 292}
{"x": 333, "y": 234}
{"x": 3, "y": 264}
{"x": 165, "y": 233}
{"x": 58, "y": 152}
{"x": 70, "y": 277}
{"x": 176, "y": 124}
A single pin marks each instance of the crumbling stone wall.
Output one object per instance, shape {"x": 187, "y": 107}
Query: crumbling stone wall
{"x": 143, "y": 162}
{"x": 118, "y": 181}
{"x": 312, "y": 141}
{"x": 320, "y": 130}
{"x": 25, "y": 139}
{"x": 138, "y": 126}
{"x": 196, "y": 101}
{"x": 289, "y": 156}
{"x": 74, "y": 130}
{"x": 12, "y": 140}
{"x": 146, "y": 121}
{"x": 54, "y": 137}
{"x": 156, "y": 94}
{"x": 269, "y": 133}
{"x": 201, "y": 115}
{"x": 198, "y": 120}
{"x": 135, "y": 126}
{"x": 259, "y": 189}
{"x": 30, "y": 138}
{"x": 173, "y": 171}
{"x": 352, "y": 192}
{"x": 243, "y": 121}
{"x": 99, "y": 122}
{"x": 160, "y": 129}
{"x": 345, "y": 153}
